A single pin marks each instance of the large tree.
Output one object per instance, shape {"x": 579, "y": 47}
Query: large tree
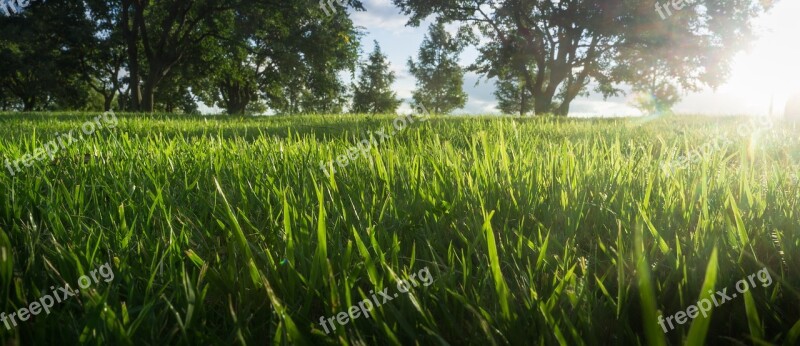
{"x": 440, "y": 79}
{"x": 373, "y": 93}
{"x": 559, "y": 47}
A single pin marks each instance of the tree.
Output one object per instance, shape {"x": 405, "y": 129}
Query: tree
{"x": 512, "y": 95}
{"x": 654, "y": 94}
{"x": 373, "y": 93}
{"x": 168, "y": 32}
{"x": 683, "y": 48}
{"x": 163, "y": 55}
{"x": 439, "y": 77}
{"x": 129, "y": 29}
{"x": 286, "y": 56}
{"x": 175, "y": 93}
{"x": 311, "y": 76}
{"x": 559, "y": 47}
{"x": 40, "y": 50}
{"x": 104, "y": 58}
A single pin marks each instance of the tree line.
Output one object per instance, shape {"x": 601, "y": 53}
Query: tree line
{"x": 290, "y": 57}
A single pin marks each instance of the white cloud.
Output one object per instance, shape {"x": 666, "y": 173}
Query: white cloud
{"x": 381, "y": 14}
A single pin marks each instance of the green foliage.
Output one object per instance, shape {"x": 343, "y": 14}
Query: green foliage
{"x": 290, "y": 57}
{"x": 655, "y": 100}
{"x": 40, "y": 50}
{"x": 374, "y": 93}
{"x": 512, "y": 95}
{"x": 286, "y": 56}
{"x": 104, "y": 58}
{"x": 536, "y": 230}
{"x": 440, "y": 79}
{"x": 558, "y": 48}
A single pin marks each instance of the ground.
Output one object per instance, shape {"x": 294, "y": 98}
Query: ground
{"x": 459, "y": 230}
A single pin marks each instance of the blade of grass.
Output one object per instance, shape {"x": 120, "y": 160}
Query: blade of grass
{"x": 699, "y": 329}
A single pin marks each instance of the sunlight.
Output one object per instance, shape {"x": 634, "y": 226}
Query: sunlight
{"x": 770, "y": 69}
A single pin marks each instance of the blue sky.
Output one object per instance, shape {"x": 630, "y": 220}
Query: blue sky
{"x": 769, "y": 70}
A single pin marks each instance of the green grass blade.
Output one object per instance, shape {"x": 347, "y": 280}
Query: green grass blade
{"x": 647, "y": 293}
{"x": 699, "y": 329}
{"x": 500, "y": 285}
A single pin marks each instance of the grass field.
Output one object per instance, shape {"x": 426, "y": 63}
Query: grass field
{"x": 533, "y": 231}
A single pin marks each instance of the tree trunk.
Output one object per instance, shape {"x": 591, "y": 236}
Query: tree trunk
{"x": 134, "y": 84}
{"x": 571, "y": 94}
{"x": 542, "y": 104}
{"x": 29, "y": 104}
{"x": 563, "y": 109}
{"x": 574, "y": 88}
{"x": 132, "y": 40}
{"x": 154, "y": 77}
{"x": 148, "y": 102}
{"x": 542, "y": 99}
{"x": 237, "y": 96}
{"x": 107, "y": 100}
{"x": 235, "y": 108}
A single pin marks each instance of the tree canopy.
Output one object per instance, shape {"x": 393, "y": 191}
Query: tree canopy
{"x": 560, "y": 48}
{"x": 166, "y": 55}
{"x": 440, "y": 78}
{"x": 248, "y": 56}
{"x": 373, "y": 93}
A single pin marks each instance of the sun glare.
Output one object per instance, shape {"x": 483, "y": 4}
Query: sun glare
{"x": 770, "y": 71}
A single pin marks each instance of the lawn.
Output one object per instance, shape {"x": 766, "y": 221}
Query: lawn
{"x": 516, "y": 231}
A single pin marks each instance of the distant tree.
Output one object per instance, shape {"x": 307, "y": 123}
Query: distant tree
{"x": 512, "y": 95}
{"x": 670, "y": 51}
{"x": 163, "y": 55}
{"x": 373, "y": 93}
{"x": 439, "y": 77}
{"x": 175, "y": 93}
{"x": 653, "y": 94}
{"x": 232, "y": 83}
{"x": 560, "y": 47}
{"x": 285, "y": 56}
{"x": 40, "y": 50}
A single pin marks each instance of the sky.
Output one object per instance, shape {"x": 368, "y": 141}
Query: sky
{"x": 769, "y": 71}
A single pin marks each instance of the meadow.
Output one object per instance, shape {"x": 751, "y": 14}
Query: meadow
{"x": 224, "y": 230}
